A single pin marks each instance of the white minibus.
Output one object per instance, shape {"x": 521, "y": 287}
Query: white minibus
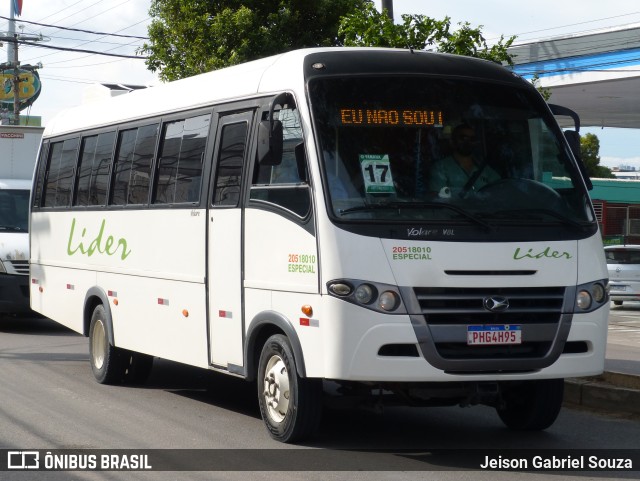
{"x": 367, "y": 226}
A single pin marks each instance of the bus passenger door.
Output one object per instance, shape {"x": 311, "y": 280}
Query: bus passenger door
{"x": 224, "y": 264}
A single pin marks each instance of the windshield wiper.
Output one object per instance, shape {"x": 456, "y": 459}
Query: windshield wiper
{"x": 417, "y": 205}
{"x": 551, "y": 213}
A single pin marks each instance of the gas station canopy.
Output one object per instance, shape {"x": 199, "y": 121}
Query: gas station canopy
{"x": 597, "y": 74}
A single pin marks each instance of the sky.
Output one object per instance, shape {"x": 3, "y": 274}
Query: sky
{"x": 65, "y": 76}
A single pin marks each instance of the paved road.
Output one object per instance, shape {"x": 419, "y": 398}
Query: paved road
{"x": 623, "y": 344}
{"x": 49, "y": 400}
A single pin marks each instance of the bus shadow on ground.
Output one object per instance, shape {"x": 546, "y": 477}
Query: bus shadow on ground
{"x": 360, "y": 427}
{"x": 221, "y": 390}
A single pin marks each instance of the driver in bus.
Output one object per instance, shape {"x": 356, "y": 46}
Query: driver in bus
{"x": 459, "y": 172}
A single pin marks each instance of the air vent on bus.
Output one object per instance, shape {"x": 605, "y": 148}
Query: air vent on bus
{"x": 20, "y": 267}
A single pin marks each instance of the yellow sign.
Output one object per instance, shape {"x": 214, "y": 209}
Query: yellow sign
{"x": 29, "y": 86}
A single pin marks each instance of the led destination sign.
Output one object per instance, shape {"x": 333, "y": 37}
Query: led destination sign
{"x": 394, "y": 117}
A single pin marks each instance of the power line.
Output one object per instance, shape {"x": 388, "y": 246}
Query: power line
{"x": 61, "y": 10}
{"x": 77, "y": 12}
{"x": 100, "y": 13}
{"x": 579, "y": 23}
{"x": 96, "y": 40}
{"x": 83, "y": 51}
{"x": 67, "y": 66}
{"x": 87, "y": 56}
{"x": 56, "y": 37}
{"x": 81, "y": 30}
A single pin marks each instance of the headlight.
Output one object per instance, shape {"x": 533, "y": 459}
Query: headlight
{"x": 591, "y": 296}
{"x": 583, "y": 300}
{"x": 388, "y": 301}
{"x": 371, "y": 295}
{"x": 598, "y": 292}
{"x": 340, "y": 289}
{"x": 365, "y": 293}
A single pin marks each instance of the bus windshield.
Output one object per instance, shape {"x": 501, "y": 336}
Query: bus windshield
{"x": 397, "y": 149}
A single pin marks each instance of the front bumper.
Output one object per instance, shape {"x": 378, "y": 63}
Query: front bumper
{"x": 14, "y": 294}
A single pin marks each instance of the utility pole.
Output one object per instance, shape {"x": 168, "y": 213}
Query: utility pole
{"x": 13, "y": 63}
{"x": 16, "y": 82}
{"x": 388, "y": 5}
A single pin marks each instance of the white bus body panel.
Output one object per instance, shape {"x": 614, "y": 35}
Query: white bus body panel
{"x": 279, "y": 254}
{"x": 225, "y": 286}
{"x": 161, "y": 275}
{"x": 352, "y": 353}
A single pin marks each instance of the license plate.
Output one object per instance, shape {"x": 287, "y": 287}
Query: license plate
{"x": 494, "y": 335}
{"x": 617, "y": 288}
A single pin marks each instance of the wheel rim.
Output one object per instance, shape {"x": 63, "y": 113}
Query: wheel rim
{"x": 98, "y": 344}
{"x": 276, "y": 389}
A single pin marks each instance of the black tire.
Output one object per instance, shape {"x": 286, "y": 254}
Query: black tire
{"x": 106, "y": 360}
{"x": 291, "y": 417}
{"x": 531, "y": 405}
{"x": 136, "y": 367}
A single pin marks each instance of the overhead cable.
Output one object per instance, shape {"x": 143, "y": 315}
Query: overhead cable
{"x": 82, "y": 50}
{"x": 80, "y": 30}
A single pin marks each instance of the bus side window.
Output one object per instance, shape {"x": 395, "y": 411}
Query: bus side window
{"x": 233, "y": 142}
{"x": 122, "y": 167}
{"x": 285, "y": 184}
{"x": 140, "y": 180}
{"x": 40, "y": 176}
{"x": 179, "y": 173}
{"x": 93, "y": 170}
{"x": 62, "y": 161}
{"x": 132, "y": 170}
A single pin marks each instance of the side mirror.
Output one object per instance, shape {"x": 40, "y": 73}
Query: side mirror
{"x": 270, "y": 142}
{"x": 270, "y": 133}
{"x": 573, "y": 139}
{"x": 567, "y": 112}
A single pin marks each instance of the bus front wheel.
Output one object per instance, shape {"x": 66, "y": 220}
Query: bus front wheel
{"x": 531, "y": 405}
{"x": 290, "y": 406}
{"x": 106, "y": 360}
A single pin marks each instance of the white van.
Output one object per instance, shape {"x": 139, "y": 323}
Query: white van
{"x": 18, "y": 152}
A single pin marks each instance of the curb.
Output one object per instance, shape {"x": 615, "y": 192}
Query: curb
{"x": 611, "y": 392}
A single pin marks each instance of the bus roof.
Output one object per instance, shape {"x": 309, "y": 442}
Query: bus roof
{"x": 268, "y": 75}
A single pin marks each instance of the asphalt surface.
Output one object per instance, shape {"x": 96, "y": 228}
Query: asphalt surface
{"x": 618, "y": 389}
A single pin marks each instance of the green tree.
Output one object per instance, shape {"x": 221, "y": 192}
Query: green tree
{"x": 367, "y": 27}
{"x": 187, "y": 37}
{"x": 544, "y": 91}
{"x": 590, "y": 152}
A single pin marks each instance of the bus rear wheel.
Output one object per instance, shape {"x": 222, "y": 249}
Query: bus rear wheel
{"x": 106, "y": 360}
{"x": 290, "y": 406}
{"x": 531, "y": 405}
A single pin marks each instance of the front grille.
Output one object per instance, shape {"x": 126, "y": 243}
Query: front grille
{"x": 448, "y": 312}
{"x": 20, "y": 267}
{"x": 465, "y": 306}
